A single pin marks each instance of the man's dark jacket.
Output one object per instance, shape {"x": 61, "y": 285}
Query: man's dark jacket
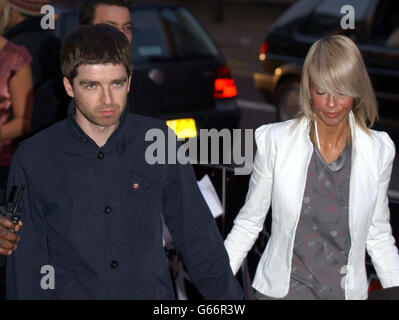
{"x": 95, "y": 215}
{"x": 51, "y": 100}
{"x": 43, "y": 46}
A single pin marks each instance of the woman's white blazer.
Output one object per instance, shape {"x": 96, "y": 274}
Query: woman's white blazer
{"x": 279, "y": 176}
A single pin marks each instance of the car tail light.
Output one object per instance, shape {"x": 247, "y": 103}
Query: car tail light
{"x": 263, "y": 51}
{"x": 224, "y": 86}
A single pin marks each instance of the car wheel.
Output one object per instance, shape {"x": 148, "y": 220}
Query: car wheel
{"x": 288, "y": 100}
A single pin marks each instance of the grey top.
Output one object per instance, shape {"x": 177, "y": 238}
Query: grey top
{"x": 322, "y": 239}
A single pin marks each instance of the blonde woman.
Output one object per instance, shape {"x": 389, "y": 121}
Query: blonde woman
{"x": 326, "y": 176}
{"x": 16, "y": 95}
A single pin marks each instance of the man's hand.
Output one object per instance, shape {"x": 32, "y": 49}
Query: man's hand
{"x": 8, "y": 240}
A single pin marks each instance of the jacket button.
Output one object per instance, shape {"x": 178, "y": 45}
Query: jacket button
{"x": 100, "y": 155}
{"x": 114, "y": 264}
{"x": 107, "y": 210}
{"x": 84, "y": 139}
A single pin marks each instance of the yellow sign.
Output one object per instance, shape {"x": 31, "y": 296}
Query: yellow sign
{"x": 184, "y": 128}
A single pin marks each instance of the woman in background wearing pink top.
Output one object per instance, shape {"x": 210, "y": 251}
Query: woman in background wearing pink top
{"x": 16, "y": 95}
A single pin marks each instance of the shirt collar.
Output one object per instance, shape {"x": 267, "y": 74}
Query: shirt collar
{"x": 117, "y": 138}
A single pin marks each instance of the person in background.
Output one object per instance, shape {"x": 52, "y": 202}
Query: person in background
{"x": 16, "y": 99}
{"x": 51, "y": 100}
{"x": 24, "y": 28}
{"x": 326, "y": 176}
{"x": 16, "y": 95}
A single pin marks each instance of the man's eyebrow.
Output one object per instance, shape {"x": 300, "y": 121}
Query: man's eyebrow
{"x": 109, "y": 22}
{"x": 115, "y": 23}
{"x": 122, "y": 79}
{"x": 84, "y": 82}
{"x": 91, "y": 82}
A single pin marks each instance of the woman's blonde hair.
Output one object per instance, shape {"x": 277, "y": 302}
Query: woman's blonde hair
{"x": 336, "y": 66}
{"x": 4, "y": 15}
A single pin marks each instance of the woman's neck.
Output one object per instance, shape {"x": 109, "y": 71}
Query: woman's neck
{"x": 332, "y": 139}
{"x": 333, "y": 135}
{"x": 3, "y": 42}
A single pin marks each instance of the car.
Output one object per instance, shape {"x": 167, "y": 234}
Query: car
{"x": 170, "y": 46}
{"x": 376, "y": 32}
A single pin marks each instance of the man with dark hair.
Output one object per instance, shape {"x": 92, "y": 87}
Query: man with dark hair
{"x": 51, "y": 101}
{"x": 93, "y": 206}
{"x": 87, "y": 10}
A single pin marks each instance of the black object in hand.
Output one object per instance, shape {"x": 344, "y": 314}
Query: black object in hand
{"x": 12, "y": 211}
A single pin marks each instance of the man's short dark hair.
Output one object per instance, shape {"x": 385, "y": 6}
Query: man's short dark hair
{"x": 87, "y": 9}
{"x": 95, "y": 44}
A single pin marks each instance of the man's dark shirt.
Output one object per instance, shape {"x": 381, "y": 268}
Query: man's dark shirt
{"x": 95, "y": 215}
{"x": 43, "y": 46}
{"x": 51, "y": 100}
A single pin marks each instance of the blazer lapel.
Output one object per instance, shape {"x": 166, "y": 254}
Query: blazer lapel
{"x": 291, "y": 172}
{"x": 363, "y": 179}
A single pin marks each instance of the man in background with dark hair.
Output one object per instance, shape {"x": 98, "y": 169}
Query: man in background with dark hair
{"x": 107, "y": 11}
{"x": 93, "y": 205}
{"x": 51, "y": 100}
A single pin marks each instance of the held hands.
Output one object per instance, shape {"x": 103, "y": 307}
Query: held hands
{"x": 8, "y": 239}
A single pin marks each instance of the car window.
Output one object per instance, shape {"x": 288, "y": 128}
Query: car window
{"x": 294, "y": 13}
{"x": 385, "y": 28}
{"x": 162, "y": 33}
{"x": 169, "y": 33}
{"x": 326, "y": 17}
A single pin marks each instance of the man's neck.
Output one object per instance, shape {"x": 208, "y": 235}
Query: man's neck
{"x": 98, "y": 134}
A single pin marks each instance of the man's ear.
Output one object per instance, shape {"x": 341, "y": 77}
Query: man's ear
{"x": 68, "y": 88}
{"x": 129, "y": 83}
